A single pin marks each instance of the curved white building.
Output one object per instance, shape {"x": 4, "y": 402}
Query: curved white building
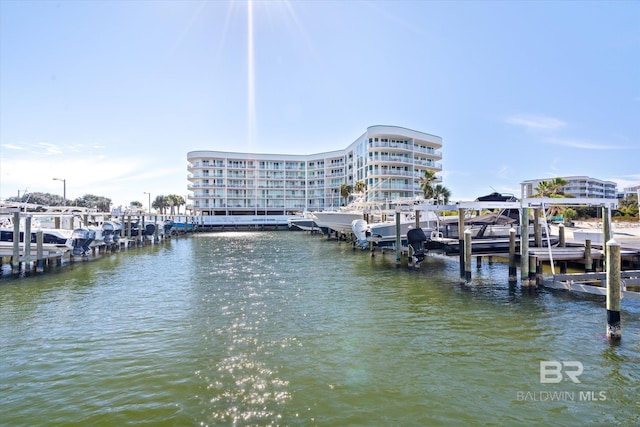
{"x": 389, "y": 159}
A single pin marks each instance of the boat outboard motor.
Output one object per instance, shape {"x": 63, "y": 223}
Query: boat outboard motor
{"x": 168, "y": 225}
{"x": 416, "y": 239}
{"x": 109, "y": 232}
{"x": 82, "y": 238}
{"x": 359, "y": 228}
{"x": 149, "y": 229}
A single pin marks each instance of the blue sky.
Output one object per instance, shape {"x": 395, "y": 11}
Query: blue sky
{"x": 111, "y": 95}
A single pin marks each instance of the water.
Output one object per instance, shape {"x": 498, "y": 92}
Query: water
{"x": 283, "y": 328}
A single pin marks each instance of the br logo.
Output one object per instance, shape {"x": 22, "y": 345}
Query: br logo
{"x": 553, "y": 371}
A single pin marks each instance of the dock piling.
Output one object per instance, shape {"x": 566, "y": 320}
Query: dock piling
{"x": 614, "y": 330}
{"x": 524, "y": 247}
{"x": 39, "y": 251}
{"x": 513, "y": 277}
{"x": 467, "y": 256}
{"x": 461, "y": 213}
{"x": 26, "y": 253}
{"x": 588, "y": 260}
{"x": 15, "y": 259}
{"x": 398, "y": 242}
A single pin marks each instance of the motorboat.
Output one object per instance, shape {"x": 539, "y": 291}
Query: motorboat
{"x": 384, "y": 233}
{"x": 52, "y": 237}
{"x": 304, "y": 221}
{"x": 341, "y": 220}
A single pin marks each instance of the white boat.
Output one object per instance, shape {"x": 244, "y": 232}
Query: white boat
{"x": 304, "y": 221}
{"x": 385, "y": 232}
{"x": 341, "y": 220}
{"x": 52, "y": 237}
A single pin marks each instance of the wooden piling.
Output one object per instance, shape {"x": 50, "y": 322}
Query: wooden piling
{"x": 537, "y": 232}
{"x": 562, "y": 243}
{"x": 532, "y": 269}
{"x": 606, "y": 232}
{"x": 524, "y": 247}
{"x": 15, "y": 259}
{"x": 26, "y": 254}
{"x": 398, "y": 241}
{"x": 39, "y": 251}
{"x": 461, "y": 212}
{"x": 614, "y": 329}
{"x": 156, "y": 233}
{"x": 512, "y": 256}
{"x": 467, "y": 256}
{"x": 417, "y": 218}
{"x": 588, "y": 259}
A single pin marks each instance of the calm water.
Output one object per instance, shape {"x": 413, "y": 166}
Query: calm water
{"x": 283, "y": 328}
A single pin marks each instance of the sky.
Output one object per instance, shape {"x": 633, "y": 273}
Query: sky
{"x": 112, "y": 95}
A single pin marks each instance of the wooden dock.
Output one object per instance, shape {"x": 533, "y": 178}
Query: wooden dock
{"x": 595, "y": 283}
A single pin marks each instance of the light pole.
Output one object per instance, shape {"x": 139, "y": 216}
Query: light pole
{"x": 64, "y": 190}
{"x": 149, "y": 201}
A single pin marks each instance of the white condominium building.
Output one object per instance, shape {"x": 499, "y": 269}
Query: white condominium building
{"x": 577, "y": 186}
{"x": 390, "y": 160}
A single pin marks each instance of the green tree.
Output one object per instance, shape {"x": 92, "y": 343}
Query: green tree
{"x": 36, "y": 198}
{"x": 160, "y": 204}
{"x": 179, "y": 201}
{"x": 551, "y": 188}
{"x": 135, "y": 204}
{"x": 102, "y": 204}
{"x": 556, "y": 186}
{"x": 426, "y": 183}
{"x": 174, "y": 201}
{"x": 569, "y": 214}
{"x": 440, "y": 192}
{"x": 360, "y": 187}
{"x": 628, "y": 207}
{"x": 345, "y": 191}
{"x": 543, "y": 189}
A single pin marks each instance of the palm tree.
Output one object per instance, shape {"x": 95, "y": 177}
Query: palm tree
{"x": 345, "y": 191}
{"x": 426, "y": 183}
{"x": 160, "y": 204}
{"x": 172, "y": 201}
{"x": 551, "y": 188}
{"x": 556, "y": 186}
{"x": 360, "y": 187}
{"x": 543, "y": 189}
{"x": 441, "y": 192}
{"x": 179, "y": 202}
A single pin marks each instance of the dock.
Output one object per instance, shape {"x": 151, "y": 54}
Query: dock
{"x": 595, "y": 283}
{"x": 33, "y": 255}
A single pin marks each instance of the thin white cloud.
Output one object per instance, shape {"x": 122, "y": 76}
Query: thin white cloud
{"x": 536, "y": 122}
{"x": 587, "y": 145}
{"x": 13, "y": 147}
{"x": 49, "y": 148}
{"x": 503, "y": 172}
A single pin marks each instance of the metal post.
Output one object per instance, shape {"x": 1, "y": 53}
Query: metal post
{"x": 64, "y": 190}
